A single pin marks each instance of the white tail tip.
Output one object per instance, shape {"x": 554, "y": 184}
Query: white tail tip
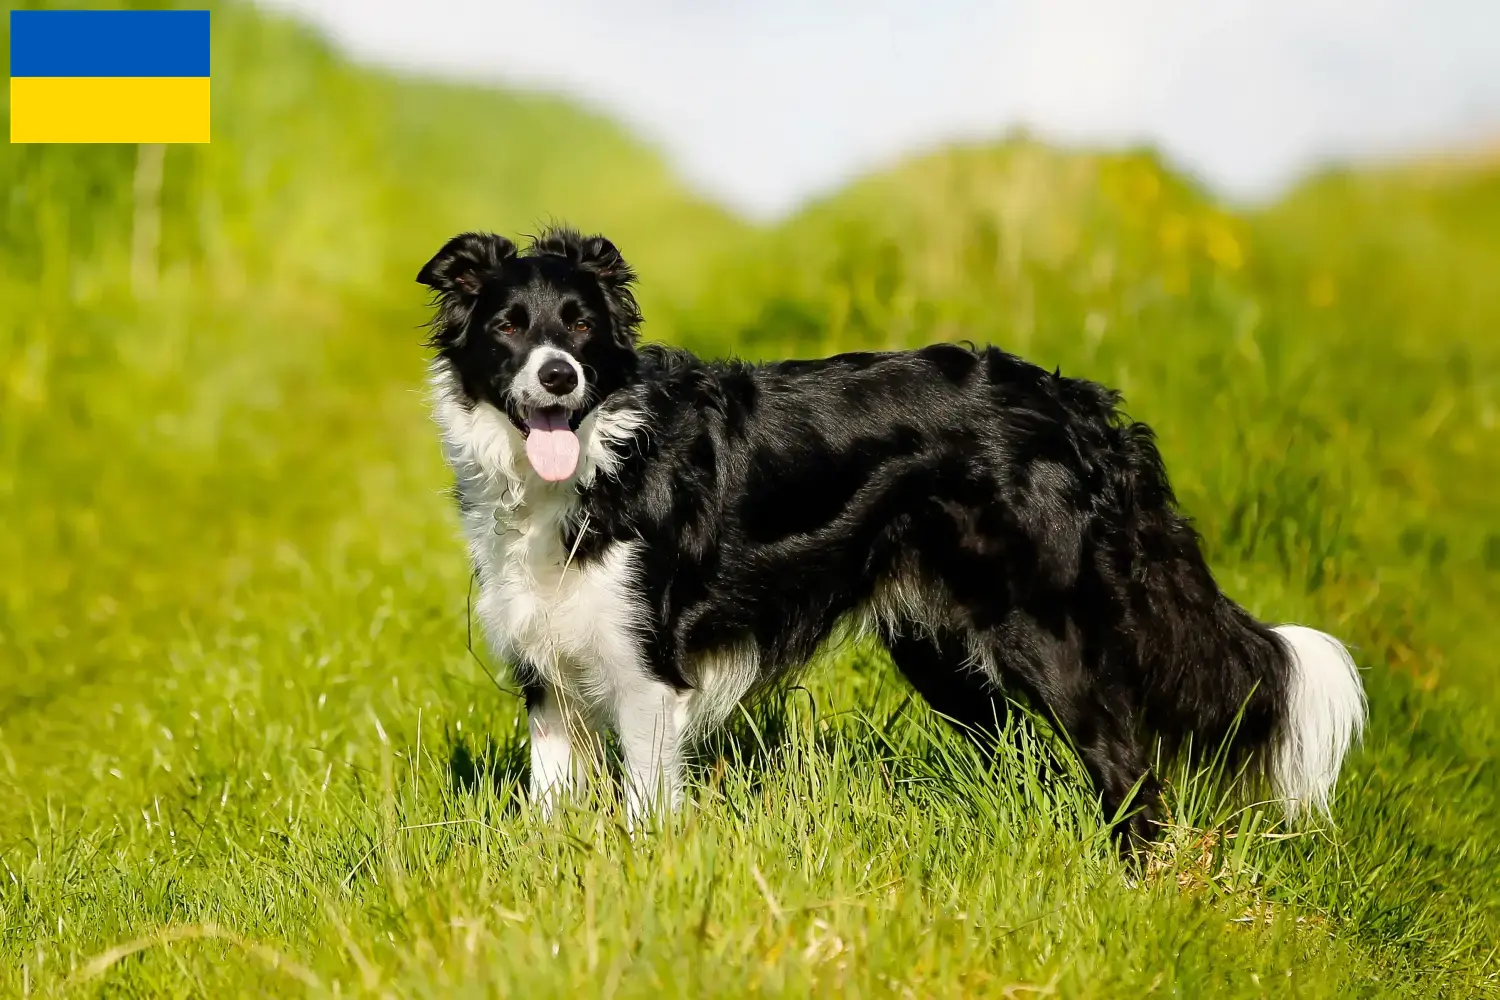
{"x": 1325, "y": 715}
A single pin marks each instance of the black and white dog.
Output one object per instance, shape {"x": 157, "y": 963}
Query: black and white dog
{"x": 657, "y": 537}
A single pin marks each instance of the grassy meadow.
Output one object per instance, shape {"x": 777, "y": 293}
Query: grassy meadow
{"x": 246, "y": 744}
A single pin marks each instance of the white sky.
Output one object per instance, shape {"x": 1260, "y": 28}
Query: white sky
{"x": 764, "y": 103}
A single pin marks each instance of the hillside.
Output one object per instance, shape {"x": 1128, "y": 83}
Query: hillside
{"x": 246, "y": 748}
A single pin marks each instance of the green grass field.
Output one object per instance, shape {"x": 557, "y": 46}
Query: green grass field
{"x": 245, "y": 747}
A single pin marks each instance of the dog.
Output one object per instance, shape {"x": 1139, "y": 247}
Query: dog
{"x": 657, "y": 537}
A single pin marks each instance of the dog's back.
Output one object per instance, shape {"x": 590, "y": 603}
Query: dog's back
{"x": 1004, "y": 529}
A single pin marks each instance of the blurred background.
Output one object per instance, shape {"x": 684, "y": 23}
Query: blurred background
{"x": 1275, "y": 226}
{"x": 762, "y": 106}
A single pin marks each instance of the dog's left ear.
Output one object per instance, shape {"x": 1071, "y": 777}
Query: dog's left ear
{"x": 460, "y": 267}
{"x": 599, "y": 257}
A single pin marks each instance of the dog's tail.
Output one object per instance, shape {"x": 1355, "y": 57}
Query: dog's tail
{"x": 1286, "y": 699}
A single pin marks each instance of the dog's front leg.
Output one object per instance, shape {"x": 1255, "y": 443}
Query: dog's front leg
{"x": 562, "y": 746}
{"x": 649, "y": 722}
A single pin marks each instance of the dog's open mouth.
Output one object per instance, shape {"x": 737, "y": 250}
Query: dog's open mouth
{"x": 551, "y": 444}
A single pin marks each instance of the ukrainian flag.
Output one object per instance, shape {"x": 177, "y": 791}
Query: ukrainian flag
{"x": 109, "y": 76}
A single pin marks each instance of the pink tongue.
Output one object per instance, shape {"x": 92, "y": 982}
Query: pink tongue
{"x": 551, "y": 445}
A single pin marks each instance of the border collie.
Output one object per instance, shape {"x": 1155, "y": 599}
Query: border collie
{"x": 656, "y": 537}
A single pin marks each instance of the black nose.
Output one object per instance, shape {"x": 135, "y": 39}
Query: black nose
{"x": 557, "y": 376}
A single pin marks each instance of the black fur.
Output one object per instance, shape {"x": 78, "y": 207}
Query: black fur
{"x": 772, "y": 500}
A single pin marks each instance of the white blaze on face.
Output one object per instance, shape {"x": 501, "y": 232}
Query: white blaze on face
{"x": 551, "y": 443}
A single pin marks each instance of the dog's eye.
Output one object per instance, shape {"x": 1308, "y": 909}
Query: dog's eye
{"x": 508, "y": 328}
{"x": 582, "y": 326}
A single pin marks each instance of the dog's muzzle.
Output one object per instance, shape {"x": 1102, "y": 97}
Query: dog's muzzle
{"x": 547, "y": 393}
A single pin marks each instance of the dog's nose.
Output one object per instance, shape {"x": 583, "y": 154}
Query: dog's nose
{"x": 557, "y": 376}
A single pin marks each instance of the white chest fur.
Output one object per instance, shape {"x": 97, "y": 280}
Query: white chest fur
{"x": 577, "y": 625}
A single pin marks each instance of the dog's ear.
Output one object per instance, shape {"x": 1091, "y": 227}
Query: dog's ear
{"x": 461, "y": 266}
{"x": 599, "y": 257}
{"x": 457, "y": 273}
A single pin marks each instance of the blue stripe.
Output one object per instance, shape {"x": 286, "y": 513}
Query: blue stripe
{"x": 109, "y": 43}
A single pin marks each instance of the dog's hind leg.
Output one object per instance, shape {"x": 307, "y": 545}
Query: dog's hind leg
{"x": 938, "y": 665}
{"x": 1104, "y": 729}
{"x": 1100, "y": 719}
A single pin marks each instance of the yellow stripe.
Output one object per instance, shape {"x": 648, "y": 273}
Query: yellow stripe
{"x": 109, "y": 109}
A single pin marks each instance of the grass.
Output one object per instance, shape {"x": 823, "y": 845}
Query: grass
{"x": 245, "y": 747}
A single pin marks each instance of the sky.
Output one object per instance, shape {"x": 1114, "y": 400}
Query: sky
{"x": 763, "y": 104}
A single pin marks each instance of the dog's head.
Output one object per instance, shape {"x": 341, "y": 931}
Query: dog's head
{"x": 544, "y": 334}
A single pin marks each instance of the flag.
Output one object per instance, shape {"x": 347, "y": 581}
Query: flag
{"x": 109, "y": 76}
